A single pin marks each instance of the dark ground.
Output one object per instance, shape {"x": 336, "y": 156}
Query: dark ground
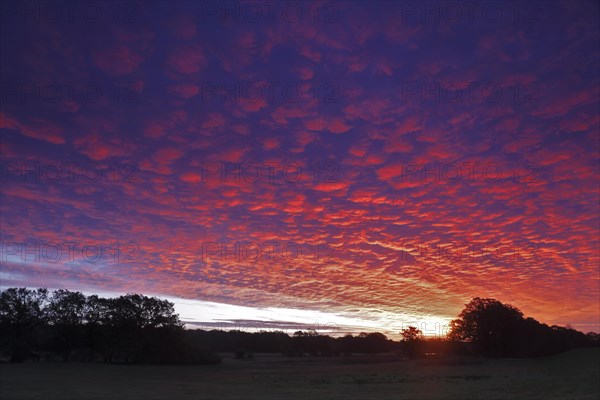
{"x": 571, "y": 375}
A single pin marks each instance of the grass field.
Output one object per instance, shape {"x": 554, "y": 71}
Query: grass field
{"x": 572, "y": 375}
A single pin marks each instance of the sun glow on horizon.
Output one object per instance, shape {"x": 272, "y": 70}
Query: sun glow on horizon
{"x": 340, "y": 175}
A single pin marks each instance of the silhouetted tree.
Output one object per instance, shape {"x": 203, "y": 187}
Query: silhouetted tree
{"x": 137, "y": 324}
{"x": 96, "y": 316}
{"x": 347, "y": 344}
{"x": 500, "y": 330}
{"x": 141, "y": 329}
{"x": 492, "y": 326}
{"x": 66, "y": 312}
{"x": 376, "y": 342}
{"x": 411, "y": 338}
{"x": 131, "y": 328}
{"x": 594, "y": 338}
{"x": 22, "y": 311}
{"x": 411, "y": 334}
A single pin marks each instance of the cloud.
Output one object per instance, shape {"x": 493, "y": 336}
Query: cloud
{"x": 187, "y": 59}
{"x": 118, "y": 60}
{"x": 38, "y": 129}
{"x": 379, "y": 206}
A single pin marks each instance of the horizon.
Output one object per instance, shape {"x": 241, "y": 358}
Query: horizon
{"x": 357, "y": 166}
{"x": 208, "y": 316}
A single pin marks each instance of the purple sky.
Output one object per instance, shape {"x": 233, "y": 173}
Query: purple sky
{"x": 367, "y": 164}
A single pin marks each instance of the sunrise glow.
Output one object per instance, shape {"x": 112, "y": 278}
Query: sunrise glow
{"x": 325, "y": 171}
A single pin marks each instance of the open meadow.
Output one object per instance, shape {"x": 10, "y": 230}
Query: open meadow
{"x": 571, "y": 375}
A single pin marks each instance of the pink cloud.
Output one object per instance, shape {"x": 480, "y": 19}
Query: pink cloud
{"x": 190, "y": 177}
{"x": 271, "y": 143}
{"x": 338, "y": 126}
{"x": 306, "y": 73}
{"x": 185, "y": 91}
{"x": 101, "y": 147}
{"x": 41, "y": 129}
{"x": 331, "y": 186}
{"x": 167, "y": 155}
{"x": 118, "y": 60}
{"x": 214, "y": 120}
{"x": 187, "y": 59}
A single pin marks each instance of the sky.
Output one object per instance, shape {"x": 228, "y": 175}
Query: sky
{"x": 342, "y": 166}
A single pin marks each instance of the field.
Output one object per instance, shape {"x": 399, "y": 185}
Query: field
{"x": 572, "y": 375}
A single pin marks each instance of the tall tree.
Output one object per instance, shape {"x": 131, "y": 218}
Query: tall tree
{"x": 67, "y": 313}
{"x": 411, "y": 338}
{"x": 21, "y": 311}
{"x": 495, "y": 328}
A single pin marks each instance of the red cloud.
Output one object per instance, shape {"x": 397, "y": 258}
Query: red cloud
{"x": 185, "y": 91}
{"x": 331, "y": 186}
{"x": 41, "y": 129}
{"x": 191, "y": 177}
{"x": 214, "y": 120}
{"x": 306, "y": 73}
{"x": 271, "y": 143}
{"x": 155, "y": 129}
{"x": 119, "y": 60}
{"x": 187, "y": 59}
{"x": 98, "y": 147}
{"x": 338, "y": 126}
{"x": 167, "y": 155}
{"x": 335, "y": 125}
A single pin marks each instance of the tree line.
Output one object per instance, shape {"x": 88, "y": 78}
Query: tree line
{"x": 494, "y": 329}
{"x": 69, "y": 326}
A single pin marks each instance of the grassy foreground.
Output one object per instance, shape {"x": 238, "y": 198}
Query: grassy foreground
{"x": 571, "y": 375}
